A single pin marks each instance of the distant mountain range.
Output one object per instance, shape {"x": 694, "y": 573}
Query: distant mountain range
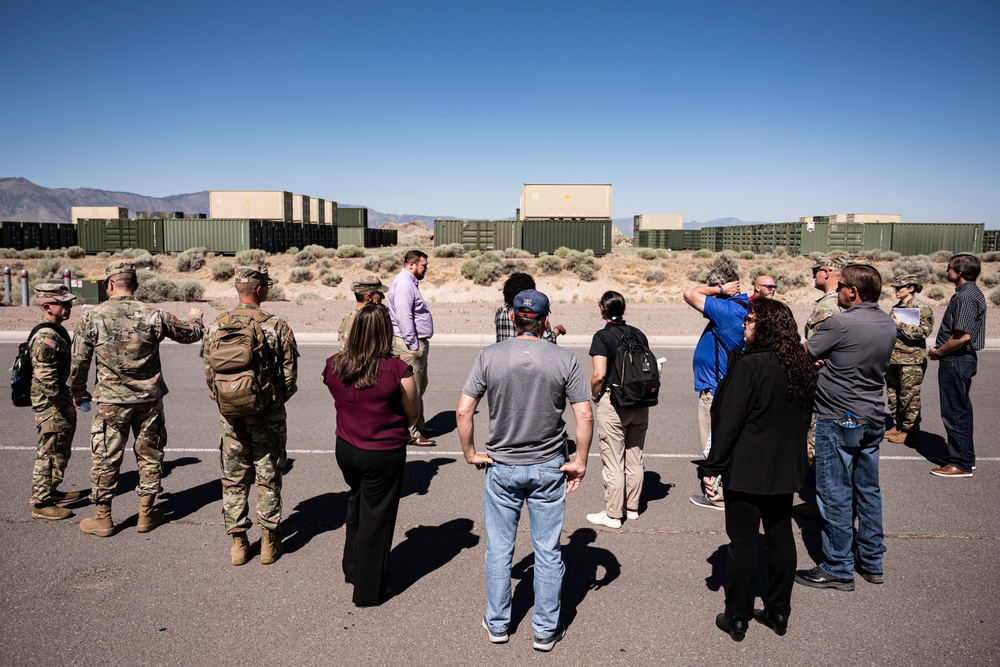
{"x": 22, "y": 200}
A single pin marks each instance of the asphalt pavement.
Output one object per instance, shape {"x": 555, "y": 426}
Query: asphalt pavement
{"x": 645, "y": 594}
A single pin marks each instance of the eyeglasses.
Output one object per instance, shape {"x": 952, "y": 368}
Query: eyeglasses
{"x": 768, "y": 286}
{"x": 841, "y": 286}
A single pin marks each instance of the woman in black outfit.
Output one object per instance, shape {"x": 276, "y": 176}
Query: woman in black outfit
{"x": 760, "y": 417}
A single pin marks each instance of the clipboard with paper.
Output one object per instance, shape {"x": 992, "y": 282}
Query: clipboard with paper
{"x": 907, "y": 315}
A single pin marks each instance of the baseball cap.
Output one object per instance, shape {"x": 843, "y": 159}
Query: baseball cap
{"x": 367, "y": 284}
{"x": 49, "y": 292}
{"x": 252, "y": 274}
{"x": 119, "y": 266}
{"x": 531, "y": 304}
{"x": 836, "y": 262}
{"x": 903, "y": 281}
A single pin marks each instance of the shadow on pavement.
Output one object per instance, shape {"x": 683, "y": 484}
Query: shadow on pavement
{"x": 442, "y": 422}
{"x": 588, "y": 568}
{"x": 426, "y": 549}
{"x": 653, "y": 489}
{"x": 313, "y": 517}
{"x": 417, "y": 475}
{"x": 129, "y": 481}
{"x": 188, "y": 501}
{"x": 289, "y": 464}
{"x": 720, "y": 558}
{"x": 931, "y": 446}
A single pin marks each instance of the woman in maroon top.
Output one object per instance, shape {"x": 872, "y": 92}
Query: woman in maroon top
{"x": 376, "y": 401}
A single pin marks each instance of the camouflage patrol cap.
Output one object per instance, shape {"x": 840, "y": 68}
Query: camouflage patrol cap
{"x": 253, "y": 274}
{"x": 835, "y": 261}
{"x": 903, "y": 281}
{"x": 53, "y": 292}
{"x": 119, "y": 266}
{"x": 367, "y": 284}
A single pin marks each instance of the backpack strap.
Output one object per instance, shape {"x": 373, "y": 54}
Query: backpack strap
{"x": 49, "y": 325}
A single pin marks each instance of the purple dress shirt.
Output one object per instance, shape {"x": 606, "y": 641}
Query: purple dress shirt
{"x": 411, "y": 320}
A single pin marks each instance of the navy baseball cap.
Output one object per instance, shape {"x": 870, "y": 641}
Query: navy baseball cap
{"x": 531, "y": 304}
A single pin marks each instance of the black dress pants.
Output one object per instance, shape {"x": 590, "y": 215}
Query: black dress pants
{"x": 744, "y": 514}
{"x": 376, "y": 481}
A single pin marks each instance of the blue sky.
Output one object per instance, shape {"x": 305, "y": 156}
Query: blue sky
{"x": 764, "y": 111}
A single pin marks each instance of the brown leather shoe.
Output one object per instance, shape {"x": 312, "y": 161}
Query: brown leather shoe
{"x": 423, "y": 442}
{"x": 950, "y": 471}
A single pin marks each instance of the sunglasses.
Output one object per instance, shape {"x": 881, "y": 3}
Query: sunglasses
{"x": 817, "y": 270}
{"x": 768, "y": 286}
{"x": 841, "y": 286}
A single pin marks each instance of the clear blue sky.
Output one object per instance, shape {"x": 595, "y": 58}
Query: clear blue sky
{"x": 760, "y": 110}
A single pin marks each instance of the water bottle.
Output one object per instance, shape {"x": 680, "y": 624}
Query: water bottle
{"x": 84, "y": 405}
{"x": 848, "y": 421}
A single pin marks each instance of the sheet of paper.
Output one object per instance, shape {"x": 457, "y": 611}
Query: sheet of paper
{"x": 907, "y": 315}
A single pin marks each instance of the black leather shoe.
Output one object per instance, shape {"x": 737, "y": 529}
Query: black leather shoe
{"x": 871, "y": 577}
{"x": 736, "y": 628}
{"x": 776, "y": 622}
{"x": 817, "y": 578}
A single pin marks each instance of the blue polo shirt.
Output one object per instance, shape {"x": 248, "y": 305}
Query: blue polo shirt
{"x": 725, "y": 318}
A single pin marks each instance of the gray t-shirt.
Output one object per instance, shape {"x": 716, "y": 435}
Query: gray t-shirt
{"x": 526, "y": 384}
{"x": 856, "y": 345}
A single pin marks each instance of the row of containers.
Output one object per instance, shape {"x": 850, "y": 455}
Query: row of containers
{"x": 803, "y": 238}
{"x": 534, "y": 236}
{"x": 159, "y": 235}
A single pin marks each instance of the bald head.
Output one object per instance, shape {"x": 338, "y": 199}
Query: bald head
{"x": 765, "y": 287}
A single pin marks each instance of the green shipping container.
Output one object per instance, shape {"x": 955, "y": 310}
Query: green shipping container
{"x": 226, "y": 237}
{"x": 547, "y": 235}
{"x": 479, "y": 234}
{"x": 923, "y": 238}
{"x": 674, "y": 239}
{"x": 352, "y": 217}
{"x": 350, "y": 236}
{"x": 991, "y": 240}
{"x": 115, "y": 234}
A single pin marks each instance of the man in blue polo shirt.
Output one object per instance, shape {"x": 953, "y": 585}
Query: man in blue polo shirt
{"x": 725, "y": 308}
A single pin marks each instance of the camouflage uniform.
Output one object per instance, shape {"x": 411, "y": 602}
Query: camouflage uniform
{"x": 345, "y": 329}
{"x": 252, "y": 449}
{"x": 907, "y": 366}
{"x": 826, "y": 306}
{"x": 55, "y": 414}
{"x": 126, "y": 336}
{"x": 361, "y": 288}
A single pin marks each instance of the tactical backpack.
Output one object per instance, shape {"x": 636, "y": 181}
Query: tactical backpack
{"x": 245, "y": 366}
{"x": 635, "y": 376}
{"x": 20, "y": 372}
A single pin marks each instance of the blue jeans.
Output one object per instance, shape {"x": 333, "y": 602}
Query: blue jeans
{"x": 955, "y": 375}
{"x": 847, "y": 484}
{"x": 507, "y": 488}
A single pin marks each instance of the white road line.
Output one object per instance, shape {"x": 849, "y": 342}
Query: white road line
{"x": 433, "y": 452}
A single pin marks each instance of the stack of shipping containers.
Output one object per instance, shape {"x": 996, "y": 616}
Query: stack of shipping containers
{"x": 351, "y": 226}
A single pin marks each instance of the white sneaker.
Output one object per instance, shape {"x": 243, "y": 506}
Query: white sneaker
{"x": 631, "y": 516}
{"x": 602, "y": 519}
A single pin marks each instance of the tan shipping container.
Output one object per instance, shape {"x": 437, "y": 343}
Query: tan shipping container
{"x": 317, "y": 211}
{"x": 300, "y": 208}
{"x": 250, "y": 205}
{"x": 330, "y": 213}
{"x": 566, "y": 201}
{"x": 874, "y": 217}
{"x": 98, "y": 213}
{"x": 647, "y": 221}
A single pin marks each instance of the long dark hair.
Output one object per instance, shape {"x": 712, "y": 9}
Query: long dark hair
{"x": 613, "y": 306}
{"x": 369, "y": 342}
{"x": 775, "y": 330}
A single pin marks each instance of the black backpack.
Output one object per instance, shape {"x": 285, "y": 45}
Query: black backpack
{"x": 20, "y": 372}
{"x": 634, "y": 380}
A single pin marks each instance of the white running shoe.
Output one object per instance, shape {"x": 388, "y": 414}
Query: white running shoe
{"x": 602, "y": 519}
{"x": 631, "y": 515}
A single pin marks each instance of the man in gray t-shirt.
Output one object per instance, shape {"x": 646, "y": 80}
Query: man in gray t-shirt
{"x": 528, "y": 384}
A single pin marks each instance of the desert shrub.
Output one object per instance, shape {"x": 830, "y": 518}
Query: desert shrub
{"x": 992, "y": 256}
{"x": 276, "y": 293}
{"x": 300, "y": 274}
{"x": 793, "y": 280}
{"x": 746, "y": 254}
{"x": 759, "y": 270}
{"x": 310, "y": 254}
{"x": 254, "y": 256}
{"x": 128, "y": 253}
{"x": 330, "y": 278}
{"x": 575, "y": 258}
{"x": 991, "y": 280}
{"x": 516, "y": 253}
{"x": 727, "y": 257}
{"x": 350, "y": 251}
{"x": 921, "y": 268}
{"x": 561, "y": 252}
{"x": 934, "y": 293}
{"x": 31, "y": 253}
{"x": 76, "y": 271}
{"x": 491, "y": 256}
{"x": 704, "y": 253}
{"x": 665, "y": 254}
{"x": 146, "y": 261}
{"x": 222, "y": 270}
{"x": 75, "y": 252}
{"x": 103, "y": 255}
{"x": 190, "y": 260}
{"x": 449, "y": 250}
{"x": 486, "y": 273}
{"x": 941, "y": 255}
{"x": 655, "y": 276}
{"x": 586, "y": 272}
{"x": 323, "y": 264}
{"x": 468, "y": 268}
{"x": 294, "y": 250}
{"x": 509, "y": 266}
{"x": 154, "y": 288}
{"x": 646, "y": 254}
{"x": 873, "y": 255}
{"x": 307, "y": 296}
{"x": 548, "y": 264}
{"x": 8, "y": 253}
{"x": 189, "y": 290}
{"x": 698, "y": 275}
{"x": 48, "y": 268}
{"x": 890, "y": 256}
{"x": 995, "y": 296}
{"x": 779, "y": 252}
{"x": 372, "y": 263}
{"x": 474, "y": 253}
{"x": 15, "y": 290}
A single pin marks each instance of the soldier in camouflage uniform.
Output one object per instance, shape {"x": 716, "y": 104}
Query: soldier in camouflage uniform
{"x": 125, "y": 334}
{"x": 367, "y": 290}
{"x": 55, "y": 415}
{"x": 253, "y": 448}
{"x": 908, "y": 362}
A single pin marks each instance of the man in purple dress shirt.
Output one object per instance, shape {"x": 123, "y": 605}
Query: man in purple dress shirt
{"x": 412, "y": 328}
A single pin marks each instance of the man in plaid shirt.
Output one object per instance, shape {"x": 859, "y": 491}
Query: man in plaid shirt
{"x": 516, "y": 283}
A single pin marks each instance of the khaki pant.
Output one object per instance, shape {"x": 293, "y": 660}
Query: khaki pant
{"x": 622, "y": 435}
{"x": 418, "y": 362}
{"x": 705, "y": 418}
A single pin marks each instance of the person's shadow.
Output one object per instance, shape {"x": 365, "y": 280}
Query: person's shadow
{"x": 426, "y": 549}
{"x": 312, "y": 517}
{"x": 417, "y": 475}
{"x": 129, "y": 480}
{"x": 177, "y": 505}
{"x": 442, "y": 422}
{"x": 653, "y": 489}
{"x": 931, "y": 446}
{"x": 719, "y": 559}
{"x": 588, "y": 568}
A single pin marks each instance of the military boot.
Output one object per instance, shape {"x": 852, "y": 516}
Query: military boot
{"x": 149, "y": 516}
{"x": 270, "y": 546}
{"x": 101, "y": 525}
{"x": 62, "y": 497}
{"x": 50, "y": 512}
{"x": 239, "y": 554}
{"x": 896, "y": 436}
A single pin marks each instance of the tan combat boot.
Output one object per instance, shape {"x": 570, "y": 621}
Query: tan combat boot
{"x": 149, "y": 516}
{"x": 101, "y": 525}
{"x": 50, "y": 512}
{"x": 62, "y": 497}
{"x": 270, "y": 546}
{"x": 239, "y": 554}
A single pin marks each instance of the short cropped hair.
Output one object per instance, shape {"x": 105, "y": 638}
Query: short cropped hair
{"x": 966, "y": 265}
{"x": 528, "y": 324}
{"x": 866, "y": 279}
{"x": 414, "y": 256}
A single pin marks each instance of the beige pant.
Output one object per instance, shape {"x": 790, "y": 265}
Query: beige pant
{"x": 418, "y": 362}
{"x": 704, "y": 417}
{"x": 622, "y": 435}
